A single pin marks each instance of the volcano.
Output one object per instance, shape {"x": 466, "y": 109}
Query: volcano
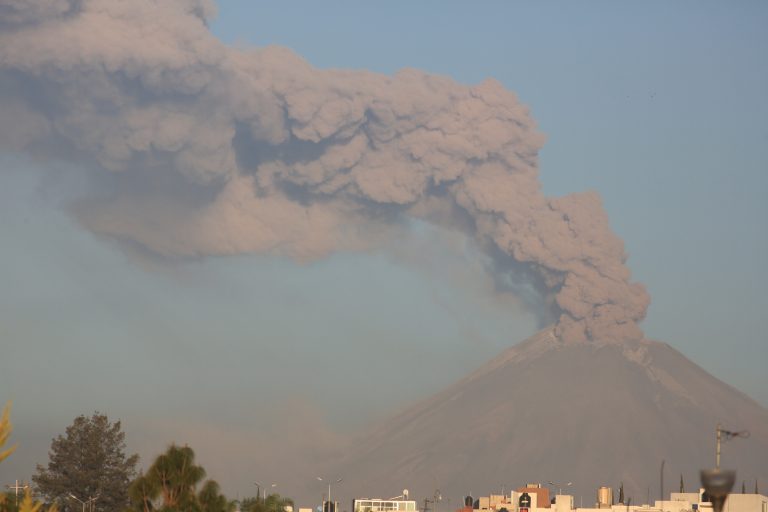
{"x": 546, "y": 411}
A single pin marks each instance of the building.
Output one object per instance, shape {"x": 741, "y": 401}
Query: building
{"x": 538, "y": 493}
{"x": 379, "y": 505}
{"x": 535, "y": 498}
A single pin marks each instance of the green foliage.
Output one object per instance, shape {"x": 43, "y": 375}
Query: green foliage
{"x": 5, "y": 431}
{"x": 211, "y": 500}
{"x": 8, "y": 502}
{"x": 170, "y": 485}
{"x": 272, "y": 503}
{"x": 29, "y": 505}
{"x": 88, "y": 460}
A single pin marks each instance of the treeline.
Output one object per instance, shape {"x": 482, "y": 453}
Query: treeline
{"x": 89, "y": 471}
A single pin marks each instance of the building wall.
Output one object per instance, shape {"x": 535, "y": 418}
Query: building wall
{"x": 563, "y": 503}
{"x": 539, "y": 496}
{"x": 746, "y": 503}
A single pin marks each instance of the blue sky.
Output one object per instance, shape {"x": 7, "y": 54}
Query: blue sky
{"x": 659, "y": 106}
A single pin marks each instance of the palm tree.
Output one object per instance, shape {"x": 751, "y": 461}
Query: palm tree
{"x": 177, "y": 475}
{"x": 172, "y": 479}
{"x": 142, "y": 492}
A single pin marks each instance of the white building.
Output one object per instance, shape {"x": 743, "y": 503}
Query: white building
{"x": 379, "y": 505}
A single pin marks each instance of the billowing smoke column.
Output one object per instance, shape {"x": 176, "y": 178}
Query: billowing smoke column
{"x": 211, "y": 150}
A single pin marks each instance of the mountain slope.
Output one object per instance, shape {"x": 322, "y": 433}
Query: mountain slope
{"x": 544, "y": 411}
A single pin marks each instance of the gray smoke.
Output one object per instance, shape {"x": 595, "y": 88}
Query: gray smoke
{"x": 211, "y": 150}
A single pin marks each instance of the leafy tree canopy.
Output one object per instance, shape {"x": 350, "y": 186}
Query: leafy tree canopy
{"x": 88, "y": 461}
{"x": 170, "y": 485}
{"x": 8, "y": 502}
{"x": 272, "y": 503}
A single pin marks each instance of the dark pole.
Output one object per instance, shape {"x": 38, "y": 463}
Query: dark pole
{"x": 661, "y": 485}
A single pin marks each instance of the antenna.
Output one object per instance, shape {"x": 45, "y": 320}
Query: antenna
{"x": 727, "y": 435}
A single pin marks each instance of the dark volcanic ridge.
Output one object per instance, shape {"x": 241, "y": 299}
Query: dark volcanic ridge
{"x": 591, "y": 414}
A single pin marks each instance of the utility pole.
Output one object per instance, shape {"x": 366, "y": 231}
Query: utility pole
{"x": 719, "y": 433}
{"x": 16, "y": 487}
{"x": 661, "y": 484}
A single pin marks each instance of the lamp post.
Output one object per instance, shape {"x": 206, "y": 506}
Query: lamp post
{"x": 271, "y": 493}
{"x": 90, "y": 501}
{"x": 78, "y": 499}
{"x": 259, "y": 489}
{"x": 337, "y": 481}
{"x": 559, "y": 486}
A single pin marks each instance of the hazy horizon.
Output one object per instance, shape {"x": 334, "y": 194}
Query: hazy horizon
{"x": 659, "y": 108}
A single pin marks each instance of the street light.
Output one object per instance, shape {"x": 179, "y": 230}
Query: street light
{"x": 78, "y": 499}
{"x": 560, "y": 486}
{"x": 337, "y": 481}
{"x": 91, "y": 500}
{"x": 259, "y": 488}
{"x": 271, "y": 493}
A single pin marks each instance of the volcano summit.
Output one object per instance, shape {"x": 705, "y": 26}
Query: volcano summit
{"x": 594, "y": 414}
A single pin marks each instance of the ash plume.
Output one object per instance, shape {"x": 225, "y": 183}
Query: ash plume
{"x": 211, "y": 150}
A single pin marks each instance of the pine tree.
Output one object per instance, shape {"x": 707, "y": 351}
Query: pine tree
{"x": 89, "y": 460}
{"x": 682, "y": 485}
{"x": 621, "y": 493}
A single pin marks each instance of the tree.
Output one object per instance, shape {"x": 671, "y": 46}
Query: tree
{"x": 170, "y": 484}
{"x": 272, "y": 503}
{"x": 211, "y": 500}
{"x": 88, "y": 461}
{"x": 5, "y": 431}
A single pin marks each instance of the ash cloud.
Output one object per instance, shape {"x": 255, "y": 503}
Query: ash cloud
{"x": 211, "y": 150}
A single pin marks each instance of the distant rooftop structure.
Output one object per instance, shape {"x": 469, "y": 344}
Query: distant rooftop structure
{"x": 535, "y": 498}
{"x": 380, "y": 505}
